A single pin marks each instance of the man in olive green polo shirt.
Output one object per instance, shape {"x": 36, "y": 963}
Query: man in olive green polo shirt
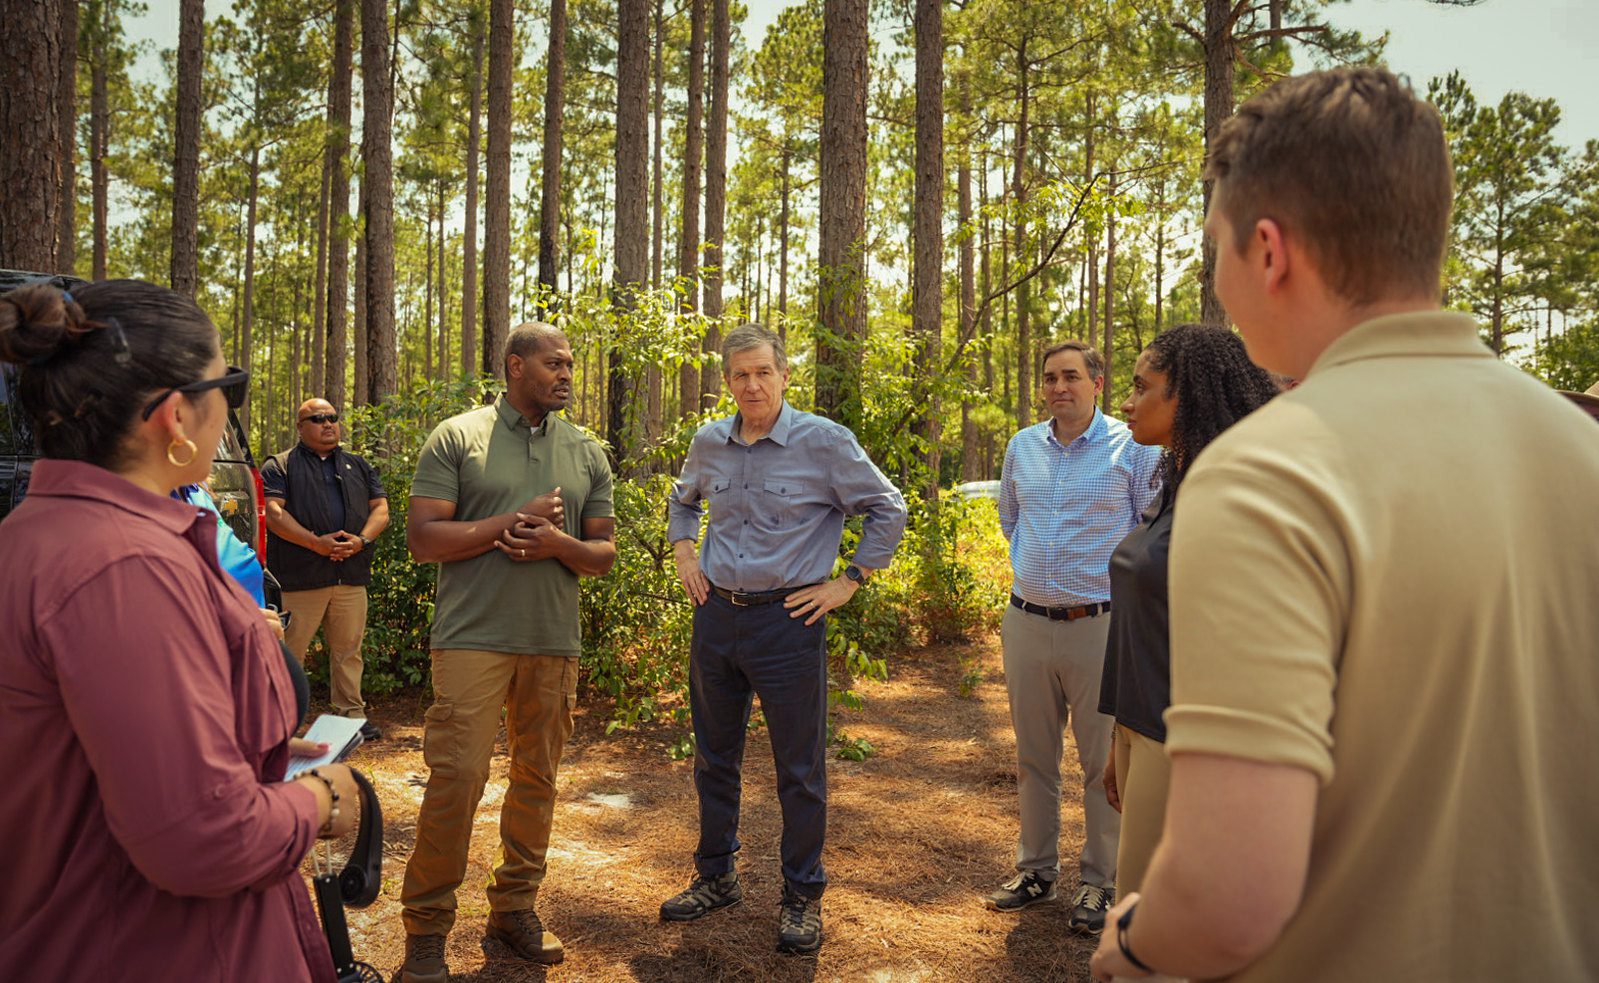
{"x": 514, "y": 504}
{"x": 1383, "y": 626}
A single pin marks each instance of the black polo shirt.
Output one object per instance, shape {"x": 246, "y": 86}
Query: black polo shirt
{"x": 1136, "y": 685}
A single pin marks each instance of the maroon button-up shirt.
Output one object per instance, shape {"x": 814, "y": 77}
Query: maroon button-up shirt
{"x": 144, "y": 710}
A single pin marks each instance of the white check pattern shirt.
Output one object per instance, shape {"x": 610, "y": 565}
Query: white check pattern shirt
{"x": 1064, "y": 508}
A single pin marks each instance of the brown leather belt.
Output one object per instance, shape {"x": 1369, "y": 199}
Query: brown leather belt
{"x": 740, "y": 599}
{"x": 1061, "y": 614}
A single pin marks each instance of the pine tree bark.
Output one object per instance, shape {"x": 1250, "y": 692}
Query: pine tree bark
{"x": 99, "y": 131}
{"x": 653, "y": 381}
{"x": 842, "y": 218}
{"x": 444, "y": 295}
{"x": 716, "y": 201}
{"x": 971, "y": 466}
{"x": 782, "y": 249}
{"x": 361, "y": 376}
{"x": 30, "y": 151}
{"x": 338, "y": 156}
{"x": 1108, "y": 397}
{"x": 688, "y": 240}
{"x": 377, "y": 149}
{"x": 67, "y": 118}
{"x": 1090, "y": 243}
{"x": 632, "y": 204}
{"x": 186, "y": 149}
{"x": 497, "y": 228}
{"x": 1218, "y": 106}
{"x": 1024, "y": 337}
{"x": 927, "y": 298}
{"x": 554, "y": 109}
{"x": 474, "y": 140}
{"x": 319, "y": 292}
{"x": 247, "y": 323}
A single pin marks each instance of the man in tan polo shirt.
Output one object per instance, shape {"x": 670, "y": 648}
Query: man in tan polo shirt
{"x": 1383, "y": 597}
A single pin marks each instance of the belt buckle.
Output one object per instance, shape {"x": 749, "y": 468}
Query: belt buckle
{"x": 734, "y": 598}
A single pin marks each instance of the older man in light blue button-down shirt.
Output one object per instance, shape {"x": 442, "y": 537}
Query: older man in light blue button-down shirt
{"x": 779, "y": 483}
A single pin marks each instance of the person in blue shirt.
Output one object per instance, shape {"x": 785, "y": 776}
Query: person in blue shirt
{"x": 780, "y": 484}
{"x": 1071, "y": 488}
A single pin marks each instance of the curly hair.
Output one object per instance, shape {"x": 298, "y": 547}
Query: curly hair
{"x": 1216, "y": 385}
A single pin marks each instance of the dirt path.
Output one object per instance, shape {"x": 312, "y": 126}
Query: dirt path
{"x": 917, "y": 835}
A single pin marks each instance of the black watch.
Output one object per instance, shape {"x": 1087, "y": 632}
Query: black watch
{"x": 365, "y": 543}
{"x": 856, "y": 574}
{"x": 1122, "y": 925}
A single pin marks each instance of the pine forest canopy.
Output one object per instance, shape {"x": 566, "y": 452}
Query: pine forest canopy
{"x": 919, "y": 195}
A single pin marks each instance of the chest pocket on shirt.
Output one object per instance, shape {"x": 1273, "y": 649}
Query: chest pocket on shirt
{"x": 779, "y": 496}
{"x": 720, "y": 485}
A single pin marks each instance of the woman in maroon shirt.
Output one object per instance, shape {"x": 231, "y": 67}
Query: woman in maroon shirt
{"x": 145, "y": 709}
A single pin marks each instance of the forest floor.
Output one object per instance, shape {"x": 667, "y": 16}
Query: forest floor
{"x": 917, "y": 835}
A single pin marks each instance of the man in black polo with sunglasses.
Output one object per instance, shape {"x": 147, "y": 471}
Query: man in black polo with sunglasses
{"x": 324, "y": 509}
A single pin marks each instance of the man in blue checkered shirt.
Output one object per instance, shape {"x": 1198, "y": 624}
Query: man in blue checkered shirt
{"x": 1072, "y": 487}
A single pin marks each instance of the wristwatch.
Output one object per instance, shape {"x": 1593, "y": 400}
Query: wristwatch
{"x": 365, "y": 543}
{"x": 856, "y": 574}
{"x": 1122, "y": 925}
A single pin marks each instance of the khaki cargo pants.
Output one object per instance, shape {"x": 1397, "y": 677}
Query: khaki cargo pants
{"x": 538, "y": 694}
{"x": 340, "y": 611}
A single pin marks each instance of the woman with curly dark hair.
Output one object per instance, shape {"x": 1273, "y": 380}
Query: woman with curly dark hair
{"x": 1190, "y": 384}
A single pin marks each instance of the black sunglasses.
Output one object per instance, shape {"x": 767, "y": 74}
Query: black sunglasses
{"x": 320, "y": 418}
{"x": 233, "y": 383}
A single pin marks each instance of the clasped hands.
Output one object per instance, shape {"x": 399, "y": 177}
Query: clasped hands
{"x": 339, "y": 545}
{"x": 538, "y": 530}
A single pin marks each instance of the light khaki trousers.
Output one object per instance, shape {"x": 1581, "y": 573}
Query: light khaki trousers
{"x": 1052, "y": 670}
{"x": 538, "y": 694}
{"x": 1143, "y": 773}
{"x": 341, "y": 613}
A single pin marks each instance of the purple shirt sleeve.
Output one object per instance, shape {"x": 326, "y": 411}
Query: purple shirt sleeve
{"x": 148, "y": 682}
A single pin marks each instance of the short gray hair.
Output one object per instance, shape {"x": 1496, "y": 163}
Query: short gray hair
{"x": 750, "y": 336}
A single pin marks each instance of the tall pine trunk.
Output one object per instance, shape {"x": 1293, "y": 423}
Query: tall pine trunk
{"x": 247, "y": 324}
{"x": 688, "y": 240}
{"x": 1218, "y": 106}
{"x": 30, "y": 151}
{"x": 716, "y": 200}
{"x": 497, "y": 227}
{"x": 319, "y": 292}
{"x": 927, "y": 294}
{"x": 652, "y": 411}
{"x": 186, "y": 149}
{"x": 1108, "y": 397}
{"x": 842, "y": 219}
{"x": 361, "y": 381}
{"x": 67, "y": 119}
{"x": 100, "y": 15}
{"x": 474, "y": 140}
{"x": 1024, "y": 337}
{"x": 338, "y": 152}
{"x": 554, "y": 108}
{"x": 970, "y": 464}
{"x": 377, "y": 128}
{"x": 632, "y": 204}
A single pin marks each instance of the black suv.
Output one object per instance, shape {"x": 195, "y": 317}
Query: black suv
{"x": 235, "y": 482}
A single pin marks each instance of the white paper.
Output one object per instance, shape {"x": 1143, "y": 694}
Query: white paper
{"x": 341, "y": 734}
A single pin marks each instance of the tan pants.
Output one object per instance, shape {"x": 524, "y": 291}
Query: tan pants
{"x": 341, "y": 613}
{"x": 538, "y": 694}
{"x": 1052, "y": 671}
{"x": 1143, "y": 773}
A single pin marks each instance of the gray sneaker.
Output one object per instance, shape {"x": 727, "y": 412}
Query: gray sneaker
{"x": 1089, "y": 907}
{"x": 704, "y": 895}
{"x": 1027, "y": 888}
{"x": 424, "y": 960}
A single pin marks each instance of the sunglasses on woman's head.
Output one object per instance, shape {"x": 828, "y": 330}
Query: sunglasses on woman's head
{"x": 233, "y": 383}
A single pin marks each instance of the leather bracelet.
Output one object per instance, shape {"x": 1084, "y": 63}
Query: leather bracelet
{"x": 1122, "y": 925}
{"x": 333, "y": 810}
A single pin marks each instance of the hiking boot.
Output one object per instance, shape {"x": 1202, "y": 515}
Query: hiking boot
{"x": 1089, "y": 907}
{"x": 1027, "y": 888}
{"x": 525, "y": 935}
{"x": 424, "y": 960}
{"x": 799, "y": 923}
{"x": 704, "y": 895}
{"x": 371, "y": 732}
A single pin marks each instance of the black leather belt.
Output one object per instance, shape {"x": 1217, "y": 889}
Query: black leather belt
{"x": 739, "y": 599}
{"x": 1061, "y": 614}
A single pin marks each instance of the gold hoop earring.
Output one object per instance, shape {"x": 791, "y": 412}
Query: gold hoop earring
{"x": 173, "y": 459}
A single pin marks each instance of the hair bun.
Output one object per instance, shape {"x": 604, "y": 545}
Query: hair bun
{"x": 37, "y": 322}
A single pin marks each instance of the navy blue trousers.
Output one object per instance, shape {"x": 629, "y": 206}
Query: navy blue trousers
{"x": 760, "y": 650}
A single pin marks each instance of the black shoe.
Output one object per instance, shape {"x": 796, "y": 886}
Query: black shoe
{"x": 1089, "y": 907}
{"x": 370, "y": 732}
{"x": 1026, "y": 888}
{"x": 704, "y": 895}
{"x": 799, "y": 923}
